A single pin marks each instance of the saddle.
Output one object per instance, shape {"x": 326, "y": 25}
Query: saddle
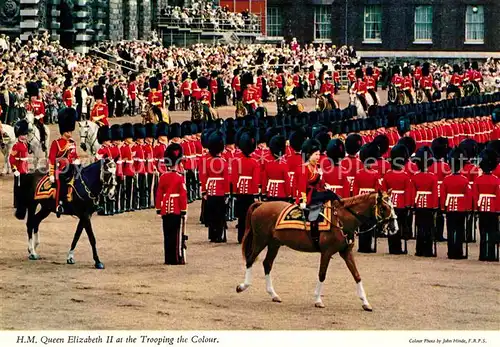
{"x": 46, "y": 190}
{"x": 293, "y": 217}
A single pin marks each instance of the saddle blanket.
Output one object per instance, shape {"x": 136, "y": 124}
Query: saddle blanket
{"x": 45, "y": 190}
{"x": 293, "y": 217}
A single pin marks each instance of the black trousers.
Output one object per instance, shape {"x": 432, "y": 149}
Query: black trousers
{"x": 190, "y": 185}
{"x": 489, "y": 233}
{"x": 242, "y": 204}
{"x": 373, "y": 95}
{"x": 409, "y": 230}
{"x": 155, "y": 187}
{"x": 149, "y": 190}
{"x": 440, "y": 225}
{"x": 111, "y": 109}
{"x": 126, "y": 200}
{"x": 43, "y": 135}
{"x": 366, "y": 239}
{"x": 455, "y": 225}
{"x": 187, "y": 101}
{"x": 424, "y": 223}
{"x": 215, "y": 211}
{"x": 119, "y": 195}
{"x": 173, "y": 240}
{"x": 470, "y": 227}
{"x": 394, "y": 241}
{"x": 139, "y": 192}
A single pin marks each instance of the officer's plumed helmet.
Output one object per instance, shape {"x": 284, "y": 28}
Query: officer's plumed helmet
{"x": 66, "y": 119}
{"x": 21, "y": 128}
{"x": 353, "y": 143}
{"x": 277, "y": 145}
{"x": 173, "y": 154}
{"x": 335, "y": 150}
{"x": 103, "y": 134}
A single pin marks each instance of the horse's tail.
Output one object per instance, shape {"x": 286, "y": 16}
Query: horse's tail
{"x": 247, "y": 243}
{"x": 24, "y": 195}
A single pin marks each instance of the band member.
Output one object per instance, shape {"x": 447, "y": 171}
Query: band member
{"x": 312, "y": 79}
{"x": 139, "y": 190}
{"x": 18, "y": 160}
{"x": 457, "y": 202}
{"x": 251, "y": 96}
{"x": 99, "y": 113}
{"x": 106, "y": 206}
{"x": 441, "y": 169}
{"x": 150, "y": 161}
{"x": 37, "y": 107}
{"x": 62, "y": 157}
{"x": 162, "y": 132}
{"x": 294, "y": 158}
{"x": 215, "y": 188}
{"x": 128, "y": 166}
{"x": 425, "y": 186}
{"x": 427, "y": 82}
{"x": 486, "y": 189}
{"x": 399, "y": 182}
{"x": 245, "y": 178}
{"x": 171, "y": 203}
{"x": 117, "y": 142}
{"x": 67, "y": 94}
{"x": 397, "y": 80}
{"x": 408, "y": 84}
{"x": 275, "y": 174}
{"x": 359, "y": 88}
{"x": 351, "y": 162}
{"x": 214, "y": 87}
{"x": 455, "y": 84}
{"x": 371, "y": 84}
{"x": 132, "y": 93}
{"x": 366, "y": 181}
{"x": 327, "y": 90}
{"x": 335, "y": 175}
{"x": 186, "y": 90}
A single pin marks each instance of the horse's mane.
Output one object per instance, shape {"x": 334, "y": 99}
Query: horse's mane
{"x": 348, "y": 202}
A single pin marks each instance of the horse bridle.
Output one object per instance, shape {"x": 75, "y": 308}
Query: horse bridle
{"x": 84, "y": 138}
{"x": 378, "y": 220}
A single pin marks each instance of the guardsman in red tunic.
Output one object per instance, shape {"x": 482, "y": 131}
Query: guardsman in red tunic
{"x": 236, "y": 86}
{"x": 132, "y": 93}
{"x": 280, "y": 80}
{"x": 397, "y": 80}
{"x": 37, "y": 107}
{"x": 312, "y": 79}
{"x": 204, "y": 96}
{"x": 381, "y": 165}
{"x": 425, "y": 188}
{"x": 407, "y": 86}
{"x": 294, "y": 158}
{"x": 296, "y": 82}
{"x": 251, "y": 97}
{"x": 189, "y": 159}
{"x": 104, "y": 152}
{"x": 99, "y": 113}
{"x": 139, "y": 196}
{"x": 128, "y": 166}
{"x": 327, "y": 90}
{"x": 117, "y": 138}
{"x": 399, "y": 182}
{"x": 171, "y": 203}
{"x": 275, "y": 177}
{"x": 230, "y": 154}
{"x": 62, "y": 157}
{"x": 162, "y": 132}
{"x": 457, "y": 202}
{"x": 214, "y": 87}
{"x": 427, "y": 82}
{"x": 186, "y": 90}
{"x": 351, "y": 76}
{"x": 67, "y": 94}
{"x": 150, "y": 162}
{"x": 366, "y": 181}
{"x": 455, "y": 84}
{"x": 441, "y": 169}
{"x": 476, "y": 76}
{"x": 351, "y": 162}
{"x": 18, "y": 160}
{"x": 155, "y": 97}
{"x": 336, "y": 78}
{"x": 417, "y": 75}
{"x": 486, "y": 190}
{"x": 215, "y": 187}
{"x": 359, "y": 88}
{"x": 245, "y": 178}
{"x": 371, "y": 84}
{"x": 335, "y": 175}
{"x": 195, "y": 89}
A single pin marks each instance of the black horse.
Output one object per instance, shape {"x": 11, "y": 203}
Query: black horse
{"x": 89, "y": 182}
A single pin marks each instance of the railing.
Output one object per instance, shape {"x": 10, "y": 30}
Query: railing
{"x": 251, "y": 25}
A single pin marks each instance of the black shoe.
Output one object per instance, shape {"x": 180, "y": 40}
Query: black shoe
{"x": 59, "y": 211}
{"x": 44, "y": 147}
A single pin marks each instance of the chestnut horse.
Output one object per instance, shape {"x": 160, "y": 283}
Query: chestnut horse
{"x": 372, "y": 210}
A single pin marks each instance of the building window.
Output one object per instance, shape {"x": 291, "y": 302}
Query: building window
{"x": 373, "y": 23}
{"x": 274, "y": 21}
{"x": 322, "y": 23}
{"x": 423, "y": 24}
{"x": 474, "y": 24}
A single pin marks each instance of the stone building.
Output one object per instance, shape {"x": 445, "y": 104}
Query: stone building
{"x": 78, "y": 23}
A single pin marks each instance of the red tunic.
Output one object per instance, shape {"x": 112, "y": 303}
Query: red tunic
{"x": 115, "y": 153}
{"x": 139, "y": 158}
{"x": 18, "y": 157}
{"x": 486, "y": 190}
{"x": 400, "y": 183}
{"x": 417, "y": 73}
{"x": 159, "y": 155}
{"x": 352, "y": 165}
{"x": 296, "y": 80}
{"x": 38, "y": 109}
{"x": 205, "y": 96}
{"x": 327, "y": 88}
{"x": 99, "y": 114}
{"x": 295, "y": 163}
{"x": 236, "y": 84}
{"x": 351, "y": 75}
{"x": 426, "y": 82}
{"x": 171, "y": 196}
{"x": 360, "y": 87}
{"x": 186, "y": 87}
{"x": 132, "y": 90}
{"x": 245, "y": 175}
{"x": 335, "y": 178}
{"x": 425, "y": 190}
{"x": 441, "y": 169}
{"x": 457, "y": 195}
{"x": 370, "y": 82}
{"x": 456, "y": 80}
{"x": 195, "y": 90}
{"x": 215, "y": 179}
{"x": 127, "y": 159}
{"x": 309, "y": 181}
{"x": 147, "y": 149}
{"x": 366, "y": 181}
{"x": 407, "y": 83}
{"x": 312, "y": 78}
{"x": 62, "y": 152}
{"x": 275, "y": 179}
{"x": 104, "y": 152}
{"x": 68, "y": 98}
{"x": 213, "y": 86}
{"x": 397, "y": 81}
{"x": 155, "y": 98}
{"x": 471, "y": 172}
{"x": 381, "y": 166}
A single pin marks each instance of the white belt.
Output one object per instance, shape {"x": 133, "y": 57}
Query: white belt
{"x": 398, "y": 192}
{"x": 275, "y": 181}
{"x": 119, "y": 161}
{"x": 440, "y": 182}
{"x": 328, "y": 186}
{"x": 22, "y": 159}
{"x": 161, "y": 160}
{"x": 174, "y": 195}
{"x": 244, "y": 178}
{"x": 129, "y": 161}
{"x": 366, "y": 190}
{"x": 483, "y": 197}
{"x": 215, "y": 179}
{"x": 422, "y": 192}
{"x": 140, "y": 160}
{"x": 452, "y": 196}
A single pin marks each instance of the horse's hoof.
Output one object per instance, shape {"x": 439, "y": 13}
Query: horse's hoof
{"x": 319, "y": 305}
{"x": 241, "y": 288}
{"x": 99, "y": 266}
{"x": 70, "y": 261}
{"x": 367, "y": 308}
{"x": 33, "y": 257}
{"x": 276, "y": 299}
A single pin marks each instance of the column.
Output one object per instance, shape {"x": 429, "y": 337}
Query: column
{"x": 29, "y": 18}
{"x": 80, "y": 14}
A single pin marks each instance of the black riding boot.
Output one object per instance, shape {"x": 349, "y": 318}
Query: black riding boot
{"x": 43, "y": 135}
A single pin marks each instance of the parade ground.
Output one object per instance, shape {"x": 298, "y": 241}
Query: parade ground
{"x": 136, "y": 291}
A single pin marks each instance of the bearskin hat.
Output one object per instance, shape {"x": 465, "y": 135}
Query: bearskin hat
{"x": 470, "y": 148}
{"x": 153, "y": 83}
{"x": 175, "y": 130}
{"x": 67, "y": 83}
{"x": 102, "y": 80}
{"x": 382, "y": 142}
{"x": 173, "y": 154}
{"x": 440, "y": 147}
{"x": 186, "y": 128}
{"x": 194, "y": 75}
{"x": 128, "y": 131}
{"x": 203, "y": 82}
{"x": 103, "y": 134}
{"x": 214, "y": 74}
{"x": 216, "y": 142}
{"x": 150, "y": 130}
{"x": 297, "y": 139}
{"x": 318, "y": 128}
{"x": 475, "y": 65}
{"x": 399, "y": 157}
{"x": 406, "y": 71}
{"x": 488, "y": 160}
{"x": 247, "y": 143}
{"x": 367, "y": 152}
{"x": 98, "y": 92}
{"x": 66, "y": 119}
{"x": 247, "y": 78}
{"x": 456, "y": 68}
{"x": 261, "y": 135}
{"x": 409, "y": 143}
{"x": 116, "y": 132}
{"x": 466, "y": 65}
{"x": 162, "y": 129}
{"x": 369, "y": 71}
{"x": 139, "y": 131}
{"x": 184, "y": 76}
{"x": 396, "y": 69}
{"x": 309, "y": 147}
{"x": 323, "y": 138}
{"x": 335, "y": 150}
{"x": 270, "y": 133}
{"x": 423, "y": 158}
{"x": 32, "y": 89}
{"x": 359, "y": 73}
{"x": 204, "y": 137}
{"x": 353, "y": 143}
{"x": 230, "y": 135}
{"x": 21, "y": 128}
{"x": 132, "y": 77}
{"x": 494, "y": 145}
{"x": 277, "y": 145}
{"x": 457, "y": 159}
{"x": 229, "y": 123}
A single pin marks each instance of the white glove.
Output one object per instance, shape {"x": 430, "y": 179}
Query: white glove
{"x": 52, "y": 179}
{"x": 17, "y": 173}
{"x": 303, "y": 205}
{"x": 77, "y": 162}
